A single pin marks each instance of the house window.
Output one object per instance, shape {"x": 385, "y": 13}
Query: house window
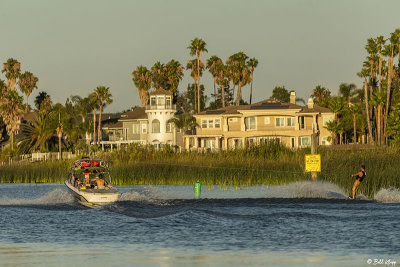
{"x": 204, "y": 124}
{"x": 136, "y": 128}
{"x": 210, "y": 123}
{"x": 237, "y": 143}
{"x": 250, "y": 123}
{"x": 155, "y": 126}
{"x": 327, "y": 120}
{"x": 153, "y": 101}
{"x": 160, "y": 100}
{"x": 267, "y": 120}
{"x": 144, "y": 128}
{"x": 302, "y": 123}
{"x": 168, "y": 101}
{"x": 217, "y": 123}
{"x": 279, "y": 122}
{"x": 169, "y": 128}
{"x": 290, "y": 121}
{"x": 305, "y": 140}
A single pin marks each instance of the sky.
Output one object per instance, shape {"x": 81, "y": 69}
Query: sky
{"x": 74, "y": 46}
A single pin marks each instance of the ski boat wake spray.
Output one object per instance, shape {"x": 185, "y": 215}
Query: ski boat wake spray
{"x": 89, "y": 181}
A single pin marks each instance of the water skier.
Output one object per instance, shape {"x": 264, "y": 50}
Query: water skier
{"x": 360, "y": 177}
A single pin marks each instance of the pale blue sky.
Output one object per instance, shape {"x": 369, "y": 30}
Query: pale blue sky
{"x": 74, "y": 46}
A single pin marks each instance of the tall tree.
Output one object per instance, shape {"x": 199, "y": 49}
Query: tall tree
{"x": 337, "y": 104}
{"x": 197, "y": 47}
{"x": 321, "y": 96}
{"x": 104, "y": 97}
{"x": 12, "y": 111}
{"x": 174, "y": 75}
{"x": 280, "y": 93}
{"x": 12, "y": 69}
{"x": 222, "y": 80}
{"x": 82, "y": 107}
{"x": 27, "y": 83}
{"x": 379, "y": 122}
{"x": 252, "y": 63}
{"x": 212, "y": 64}
{"x": 354, "y": 110}
{"x": 241, "y": 72}
{"x": 184, "y": 122}
{"x": 364, "y": 74}
{"x": 195, "y": 71}
{"x": 159, "y": 76}
{"x": 95, "y": 104}
{"x": 142, "y": 80}
{"x": 347, "y": 90}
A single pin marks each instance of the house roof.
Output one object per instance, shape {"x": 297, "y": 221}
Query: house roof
{"x": 118, "y": 124}
{"x": 161, "y": 91}
{"x": 268, "y": 104}
{"x": 134, "y": 114}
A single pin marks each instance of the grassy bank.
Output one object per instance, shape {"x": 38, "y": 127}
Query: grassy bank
{"x": 270, "y": 164}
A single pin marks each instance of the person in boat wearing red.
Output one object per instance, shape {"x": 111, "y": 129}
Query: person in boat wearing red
{"x": 360, "y": 177}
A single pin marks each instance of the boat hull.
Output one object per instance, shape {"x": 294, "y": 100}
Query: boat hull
{"x": 93, "y": 196}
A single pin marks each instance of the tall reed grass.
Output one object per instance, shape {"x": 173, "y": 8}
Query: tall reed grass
{"x": 269, "y": 164}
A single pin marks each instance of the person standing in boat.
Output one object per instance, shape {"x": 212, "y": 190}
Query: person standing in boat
{"x": 87, "y": 181}
{"x": 359, "y": 178}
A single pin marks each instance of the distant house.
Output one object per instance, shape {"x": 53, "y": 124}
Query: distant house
{"x": 237, "y": 126}
{"x": 147, "y": 125}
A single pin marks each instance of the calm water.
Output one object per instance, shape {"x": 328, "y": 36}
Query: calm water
{"x": 301, "y": 224}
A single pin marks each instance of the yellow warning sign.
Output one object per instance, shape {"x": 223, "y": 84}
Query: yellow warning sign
{"x": 313, "y": 163}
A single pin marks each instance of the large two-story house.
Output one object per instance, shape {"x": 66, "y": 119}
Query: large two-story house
{"x": 237, "y": 126}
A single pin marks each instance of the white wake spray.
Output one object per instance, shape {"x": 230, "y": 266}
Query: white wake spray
{"x": 57, "y": 196}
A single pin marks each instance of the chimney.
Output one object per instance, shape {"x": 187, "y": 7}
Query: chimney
{"x": 310, "y": 103}
{"x": 292, "y": 97}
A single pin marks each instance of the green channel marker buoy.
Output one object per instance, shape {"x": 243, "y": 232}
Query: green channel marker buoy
{"x": 197, "y": 189}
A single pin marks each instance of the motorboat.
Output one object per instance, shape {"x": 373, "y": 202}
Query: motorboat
{"x": 89, "y": 181}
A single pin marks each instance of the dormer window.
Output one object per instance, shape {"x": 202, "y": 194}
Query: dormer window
{"x": 153, "y": 101}
{"x": 160, "y": 100}
{"x": 168, "y": 101}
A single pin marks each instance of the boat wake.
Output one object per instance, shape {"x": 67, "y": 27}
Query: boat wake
{"x": 391, "y": 195}
{"x": 57, "y": 196}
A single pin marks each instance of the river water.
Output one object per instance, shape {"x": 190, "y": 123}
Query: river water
{"x": 300, "y": 224}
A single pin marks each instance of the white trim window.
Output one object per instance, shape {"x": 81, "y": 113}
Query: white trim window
{"x": 153, "y": 101}
{"x": 250, "y": 123}
{"x": 204, "y": 124}
{"x": 168, "y": 101}
{"x": 290, "y": 121}
{"x": 267, "y": 120}
{"x": 144, "y": 128}
{"x": 210, "y": 123}
{"x": 136, "y": 128}
{"x": 217, "y": 123}
{"x": 305, "y": 141}
{"x": 155, "y": 126}
{"x": 280, "y": 122}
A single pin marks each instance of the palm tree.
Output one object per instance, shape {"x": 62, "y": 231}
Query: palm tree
{"x": 196, "y": 47}
{"x": 27, "y": 83}
{"x": 364, "y": 74}
{"x": 347, "y": 90}
{"x": 104, "y": 96}
{"x": 211, "y": 65}
{"x": 142, "y": 81}
{"x": 158, "y": 75}
{"x": 222, "y": 81}
{"x": 354, "y": 110}
{"x": 241, "y": 72}
{"x": 36, "y": 133}
{"x": 3, "y": 89}
{"x": 12, "y": 69}
{"x": 184, "y": 122}
{"x": 381, "y": 42}
{"x": 195, "y": 70}
{"x": 95, "y": 104}
{"x": 82, "y": 106}
{"x": 12, "y": 111}
{"x": 334, "y": 127}
{"x": 378, "y": 99}
{"x": 252, "y": 63}
{"x": 41, "y": 100}
{"x": 321, "y": 96}
{"x": 174, "y": 75}
{"x": 336, "y": 104}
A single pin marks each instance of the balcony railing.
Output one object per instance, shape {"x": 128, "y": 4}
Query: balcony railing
{"x": 158, "y": 107}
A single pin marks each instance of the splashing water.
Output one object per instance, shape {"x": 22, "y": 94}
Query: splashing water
{"x": 57, "y": 196}
{"x": 391, "y": 195}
